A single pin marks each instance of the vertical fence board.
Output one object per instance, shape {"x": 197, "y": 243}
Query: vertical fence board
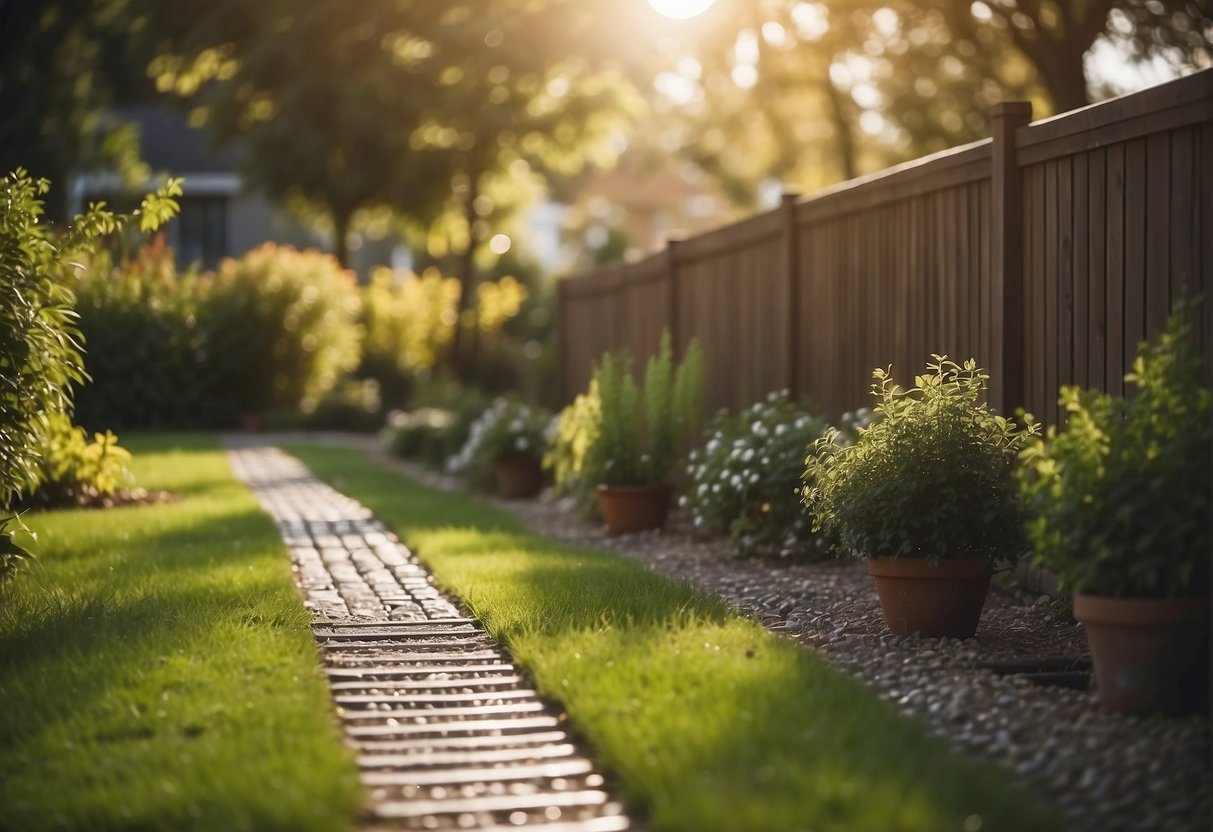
{"x": 1158, "y": 231}
{"x": 1115, "y": 286}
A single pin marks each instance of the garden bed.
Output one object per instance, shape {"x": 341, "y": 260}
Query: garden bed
{"x": 1108, "y": 772}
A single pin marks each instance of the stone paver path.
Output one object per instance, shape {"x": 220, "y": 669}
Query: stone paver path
{"x": 447, "y": 731}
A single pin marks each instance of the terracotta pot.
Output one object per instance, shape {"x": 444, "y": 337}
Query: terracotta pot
{"x": 252, "y": 422}
{"x": 944, "y": 600}
{"x": 634, "y": 508}
{"x": 1150, "y": 654}
{"x": 519, "y": 477}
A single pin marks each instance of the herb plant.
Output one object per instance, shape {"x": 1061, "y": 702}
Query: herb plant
{"x": 746, "y": 477}
{"x": 933, "y": 476}
{"x": 641, "y": 436}
{"x": 1120, "y": 499}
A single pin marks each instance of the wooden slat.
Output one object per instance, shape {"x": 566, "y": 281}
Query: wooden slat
{"x": 1114, "y": 241}
{"x": 1158, "y": 231}
{"x": 1049, "y": 295}
{"x": 1065, "y": 278}
{"x": 1080, "y": 332}
{"x": 1097, "y": 282}
{"x": 1135, "y": 248}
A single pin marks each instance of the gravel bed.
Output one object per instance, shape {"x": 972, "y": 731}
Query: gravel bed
{"x": 1106, "y": 772}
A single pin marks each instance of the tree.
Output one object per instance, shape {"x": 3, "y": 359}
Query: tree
{"x": 1055, "y": 37}
{"x": 426, "y": 108}
{"x": 61, "y": 65}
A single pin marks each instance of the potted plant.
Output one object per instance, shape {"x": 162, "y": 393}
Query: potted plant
{"x": 1120, "y": 515}
{"x": 504, "y": 448}
{"x": 640, "y": 436}
{"x": 927, "y": 493}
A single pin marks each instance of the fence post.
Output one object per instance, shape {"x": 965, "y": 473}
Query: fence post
{"x": 792, "y": 276}
{"x": 671, "y": 277}
{"x": 1007, "y": 255}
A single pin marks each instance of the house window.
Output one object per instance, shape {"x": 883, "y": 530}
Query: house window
{"x": 199, "y": 234}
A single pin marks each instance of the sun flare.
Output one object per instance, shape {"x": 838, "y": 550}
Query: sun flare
{"x": 681, "y": 9}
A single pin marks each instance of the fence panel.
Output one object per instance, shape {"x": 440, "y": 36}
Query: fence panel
{"x": 1050, "y": 250}
{"x": 892, "y": 269}
{"x": 1114, "y": 216}
{"x": 732, "y": 291}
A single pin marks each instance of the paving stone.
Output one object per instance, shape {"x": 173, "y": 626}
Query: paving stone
{"x": 449, "y": 734}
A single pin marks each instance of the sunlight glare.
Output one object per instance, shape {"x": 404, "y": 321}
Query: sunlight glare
{"x": 681, "y": 9}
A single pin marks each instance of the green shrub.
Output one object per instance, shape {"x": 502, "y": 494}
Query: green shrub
{"x": 505, "y": 429}
{"x": 420, "y": 434}
{"x": 641, "y": 437}
{"x": 76, "y": 471}
{"x": 933, "y": 477}
{"x": 353, "y": 405}
{"x": 746, "y": 478}
{"x": 40, "y": 360}
{"x": 287, "y": 320}
{"x": 1120, "y": 499}
{"x": 149, "y": 356}
{"x": 271, "y": 333}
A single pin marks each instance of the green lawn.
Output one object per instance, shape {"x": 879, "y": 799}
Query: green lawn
{"x": 706, "y": 721}
{"x": 157, "y": 669}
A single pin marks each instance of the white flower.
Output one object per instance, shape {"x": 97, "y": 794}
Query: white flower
{"x": 781, "y": 429}
{"x": 748, "y": 455}
{"x": 521, "y": 443}
{"x": 712, "y": 446}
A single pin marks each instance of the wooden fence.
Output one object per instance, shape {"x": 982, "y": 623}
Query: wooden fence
{"x": 1046, "y": 252}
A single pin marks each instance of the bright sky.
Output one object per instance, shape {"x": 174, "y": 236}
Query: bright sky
{"x": 681, "y": 9}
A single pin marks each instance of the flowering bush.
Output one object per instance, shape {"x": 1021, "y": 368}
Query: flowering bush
{"x": 507, "y": 429}
{"x": 571, "y": 437}
{"x": 746, "y": 478}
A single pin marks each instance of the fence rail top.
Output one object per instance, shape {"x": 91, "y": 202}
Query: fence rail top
{"x": 1194, "y": 89}
{"x": 945, "y": 169}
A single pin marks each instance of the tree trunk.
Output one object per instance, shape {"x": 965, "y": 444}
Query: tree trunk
{"x": 341, "y": 233}
{"x": 1062, "y": 70}
{"x": 844, "y": 131}
{"x": 465, "y": 343}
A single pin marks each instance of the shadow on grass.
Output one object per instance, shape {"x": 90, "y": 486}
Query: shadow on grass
{"x": 157, "y": 671}
{"x": 708, "y": 721}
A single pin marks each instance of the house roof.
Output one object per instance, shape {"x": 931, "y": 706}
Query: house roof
{"x": 169, "y": 144}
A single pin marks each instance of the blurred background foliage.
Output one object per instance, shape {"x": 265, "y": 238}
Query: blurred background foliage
{"x": 447, "y": 123}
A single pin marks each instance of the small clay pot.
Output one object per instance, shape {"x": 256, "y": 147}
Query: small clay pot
{"x": 634, "y": 508}
{"x": 519, "y": 477}
{"x": 933, "y": 601}
{"x": 1150, "y": 654}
